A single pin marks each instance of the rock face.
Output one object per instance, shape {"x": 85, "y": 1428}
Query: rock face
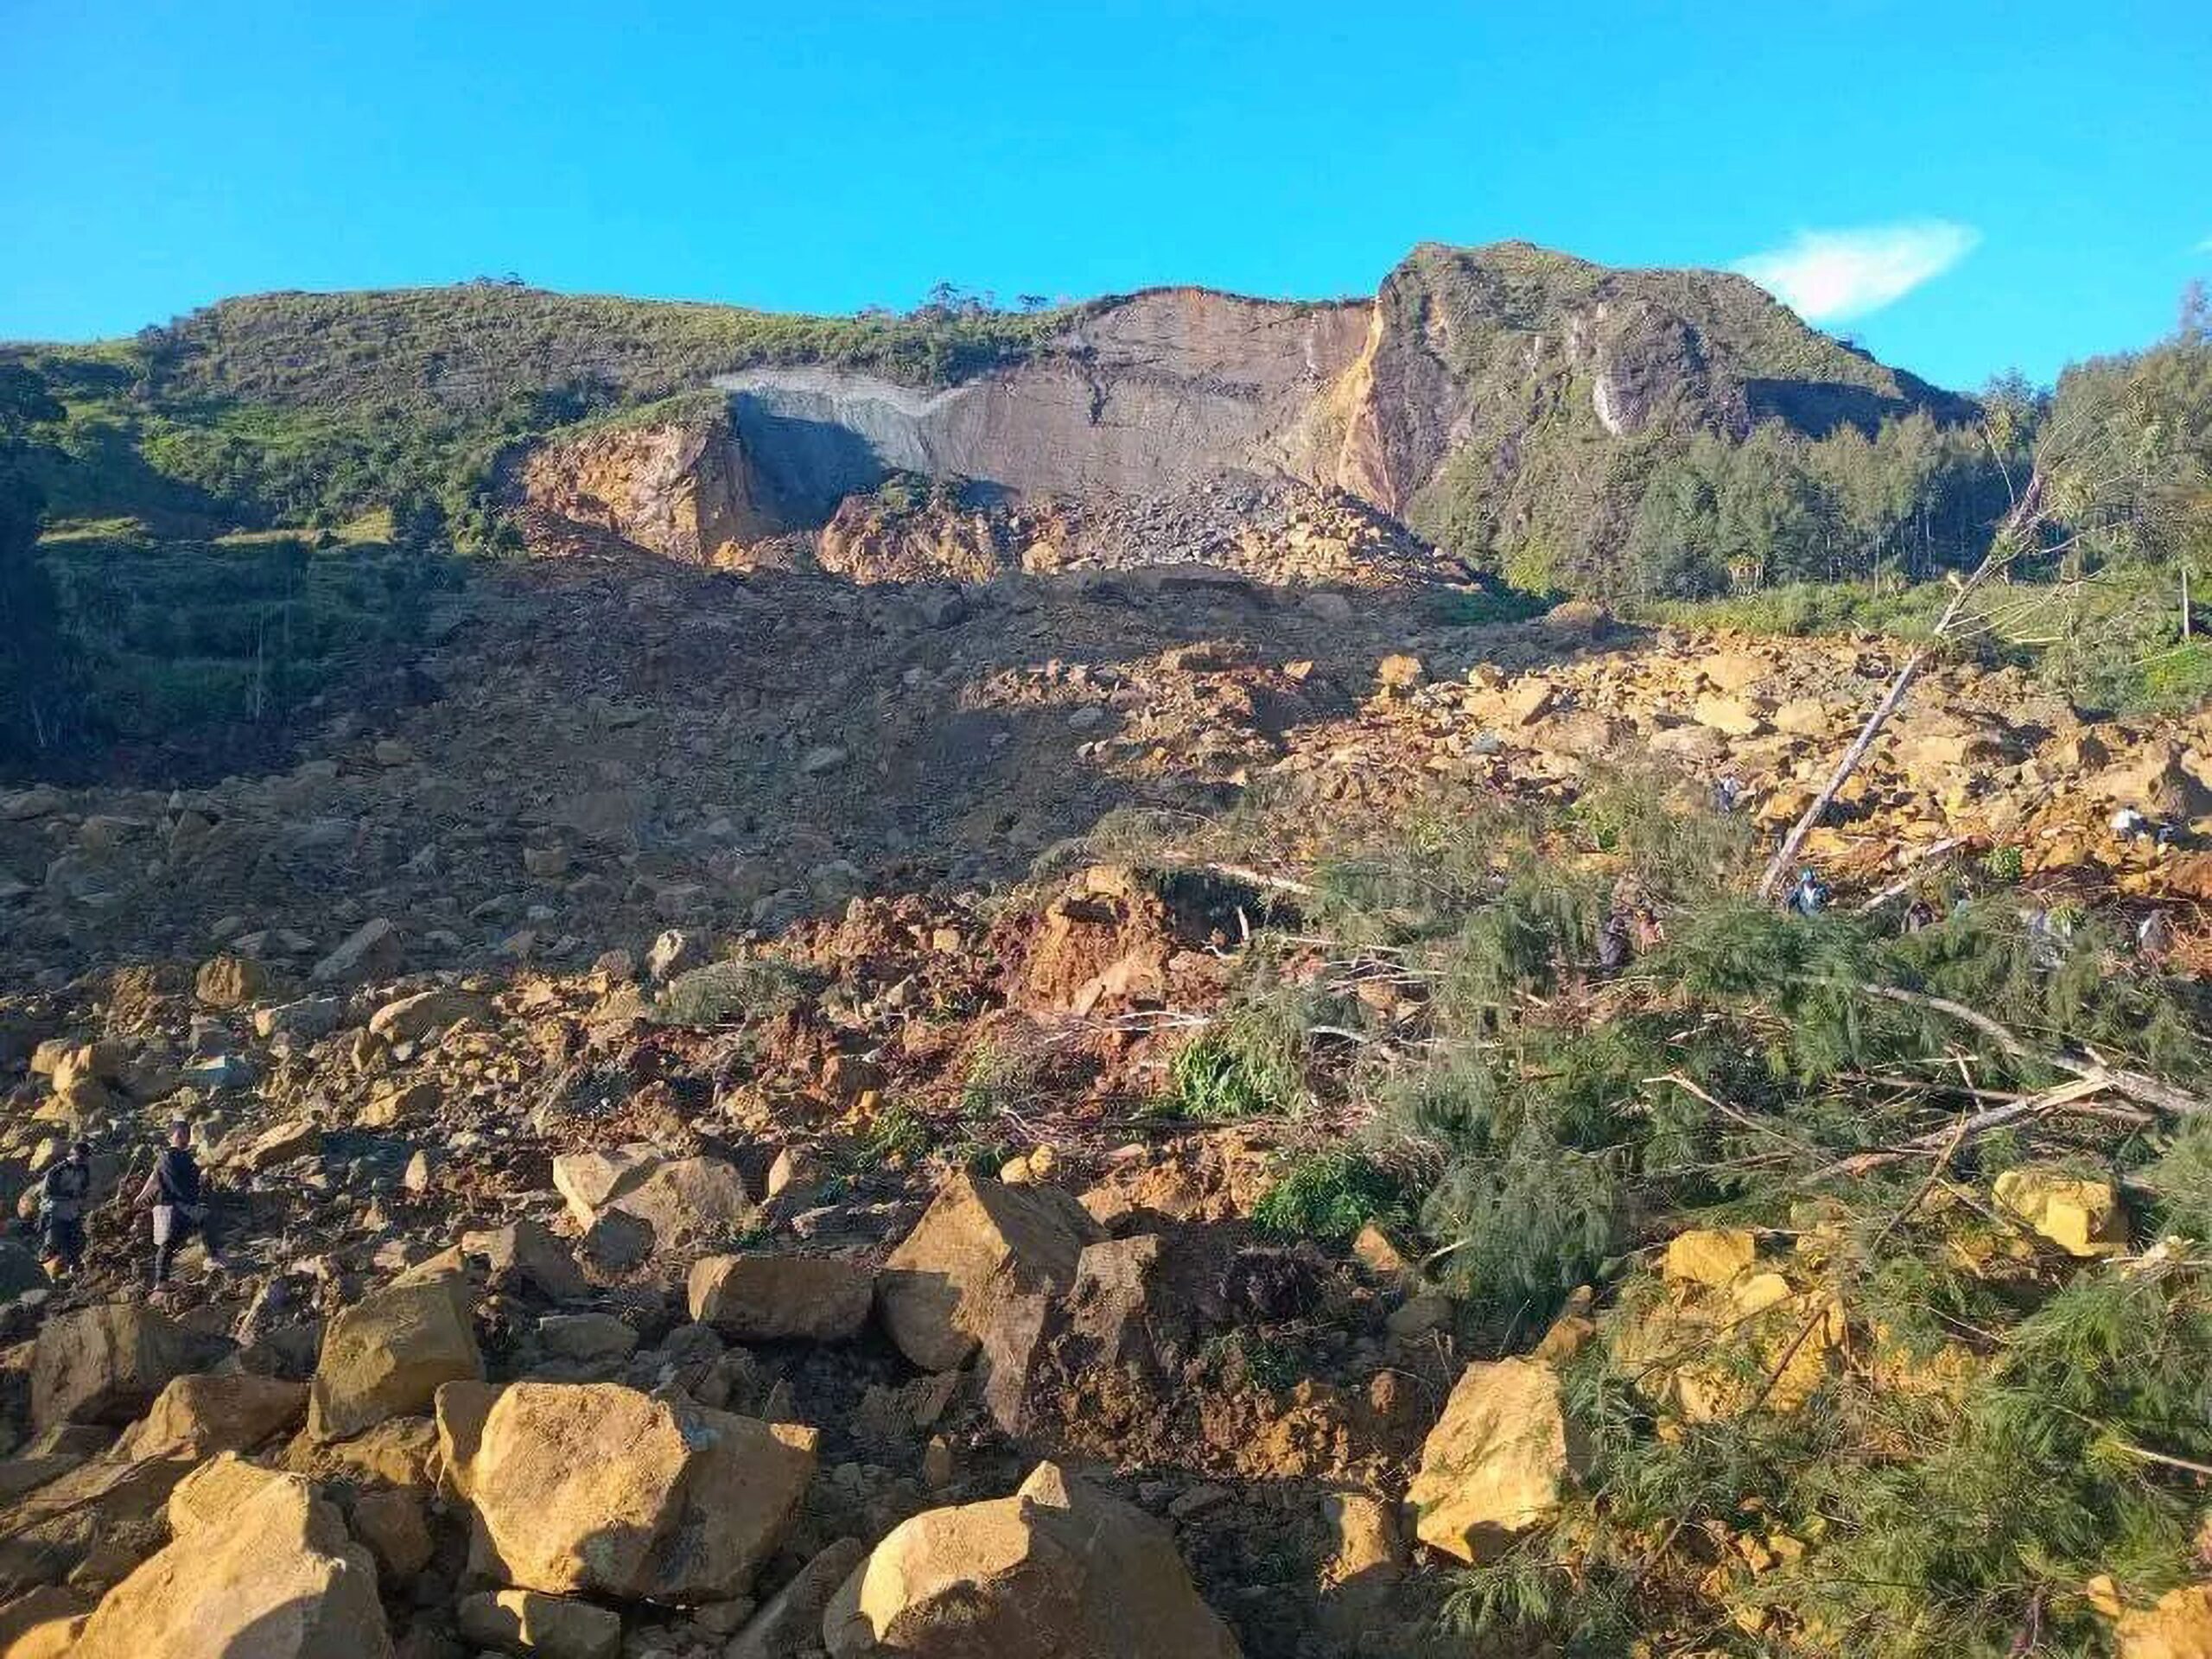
{"x": 979, "y": 1247}
{"x": 677, "y": 1502}
{"x": 1496, "y": 1462}
{"x": 386, "y": 1355}
{"x": 1139, "y": 395}
{"x": 105, "y": 1364}
{"x": 681, "y": 488}
{"x": 1058, "y": 1568}
{"x": 274, "y": 1577}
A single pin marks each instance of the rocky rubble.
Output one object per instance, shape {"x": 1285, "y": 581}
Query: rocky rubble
{"x": 687, "y": 1152}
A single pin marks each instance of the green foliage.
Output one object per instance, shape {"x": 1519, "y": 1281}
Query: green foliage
{"x": 897, "y": 1136}
{"x": 2005, "y": 864}
{"x": 1328, "y": 1195}
{"x": 740, "y": 991}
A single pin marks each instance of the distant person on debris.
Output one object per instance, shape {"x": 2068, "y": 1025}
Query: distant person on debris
{"x": 1810, "y": 895}
{"x": 1728, "y": 794}
{"x": 62, "y": 1198}
{"x": 173, "y": 1192}
{"x": 1919, "y": 914}
{"x": 2154, "y": 938}
{"x": 1614, "y": 947}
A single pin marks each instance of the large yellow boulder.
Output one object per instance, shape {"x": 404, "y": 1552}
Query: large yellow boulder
{"x": 200, "y": 1415}
{"x": 387, "y": 1355}
{"x": 980, "y": 1244}
{"x": 273, "y": 1577}
{"x": 2080, "y": 1214}
{"x": 2179, "y": 1627}
{"x": 1709, "y": 1255}
{"x": 1498, "y": 1463}
{"x": 598, "y": 1489}
{"x": 1059, "y": 1568}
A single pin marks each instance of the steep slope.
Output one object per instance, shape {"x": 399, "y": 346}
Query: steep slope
{"x": 1509, "y": 395}
{"x": 1509, "y": 402}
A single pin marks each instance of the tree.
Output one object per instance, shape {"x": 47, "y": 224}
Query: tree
{"x": 34, "y": 692}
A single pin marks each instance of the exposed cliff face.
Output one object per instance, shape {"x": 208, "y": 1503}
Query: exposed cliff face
{"x": 1141, "y": 398}
{"x": 1477, "y": 385}
{"x": 681, "y": 488}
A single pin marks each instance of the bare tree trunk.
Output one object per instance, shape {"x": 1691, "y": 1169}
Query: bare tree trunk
{"x": 2006, "y": 546}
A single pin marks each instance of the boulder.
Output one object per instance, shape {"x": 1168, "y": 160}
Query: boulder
{"x": 1496, "y": 1462}
{"x": 217, "y": 1488}
{"x": 676, "y": 1503}
{"x": 523, "y": 1621}
{"x": 1058, "y": 1568}
{"x": 791, "y": 1622}
{"x": 774, "y": 1298}
{"x": 20, "y": 1270}
{"x": 1709, "y": 1255}
{"x": 307, "y": 1019}
{"x": 1733, "y": 716}
{"x": 198, "y": 1415}
{"x": 2179, "y": 1627}
{"x": 273, "y": 1577}
{"x": 2081, "y": 1215}
{"x": 689, "y": 1201}
{"x": 394, "y": 1524}
{"x": 410, "y": 1018}
{"x": 386, "y": 1355}
{"x": 230, "y": 982}
{"x": 371, "y": 951}
{"x": 980, "y": 1245}
{"x": 105, "y": 1364}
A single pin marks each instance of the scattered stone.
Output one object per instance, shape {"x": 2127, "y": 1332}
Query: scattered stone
{"x": 2081, "y": 1215}
{"x": 525, "y": 1622}
{"x": 676, "y": 1503}
{"x": 371, "y": 951}
{"x": 980, "y": 1244}
{"x": 1058, "y": 1568}
{"x": 230, "y": 982}
{"x": 410, "y": 1018}
{"x": 1498, "y": 1462}
{"x": 776, "y": 1298}
{"x": 273, "y": 1576}
{"x": 387, "y": 1354}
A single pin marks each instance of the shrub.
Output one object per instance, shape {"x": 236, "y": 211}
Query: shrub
{"x": 733, "y": 992}
{"x": 1328, "y": 1195}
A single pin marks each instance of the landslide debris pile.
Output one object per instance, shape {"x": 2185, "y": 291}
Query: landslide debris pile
{"x": 760, "y": 1116}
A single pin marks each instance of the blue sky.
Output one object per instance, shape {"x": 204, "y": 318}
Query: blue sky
{"x": 1965, "y": 187}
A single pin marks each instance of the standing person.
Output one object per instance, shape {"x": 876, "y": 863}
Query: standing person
{"x": 174, "y": 1191}
{"x": 62, "y": 1198}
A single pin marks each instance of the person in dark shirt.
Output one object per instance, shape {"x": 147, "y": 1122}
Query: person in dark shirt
{"x": 173, "y": 1189}
{"x": 62, "y": 1195}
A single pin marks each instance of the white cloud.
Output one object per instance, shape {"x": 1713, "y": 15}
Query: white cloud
{"x": 1834, "y": 275}
{"x": 2205, "y": 246}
